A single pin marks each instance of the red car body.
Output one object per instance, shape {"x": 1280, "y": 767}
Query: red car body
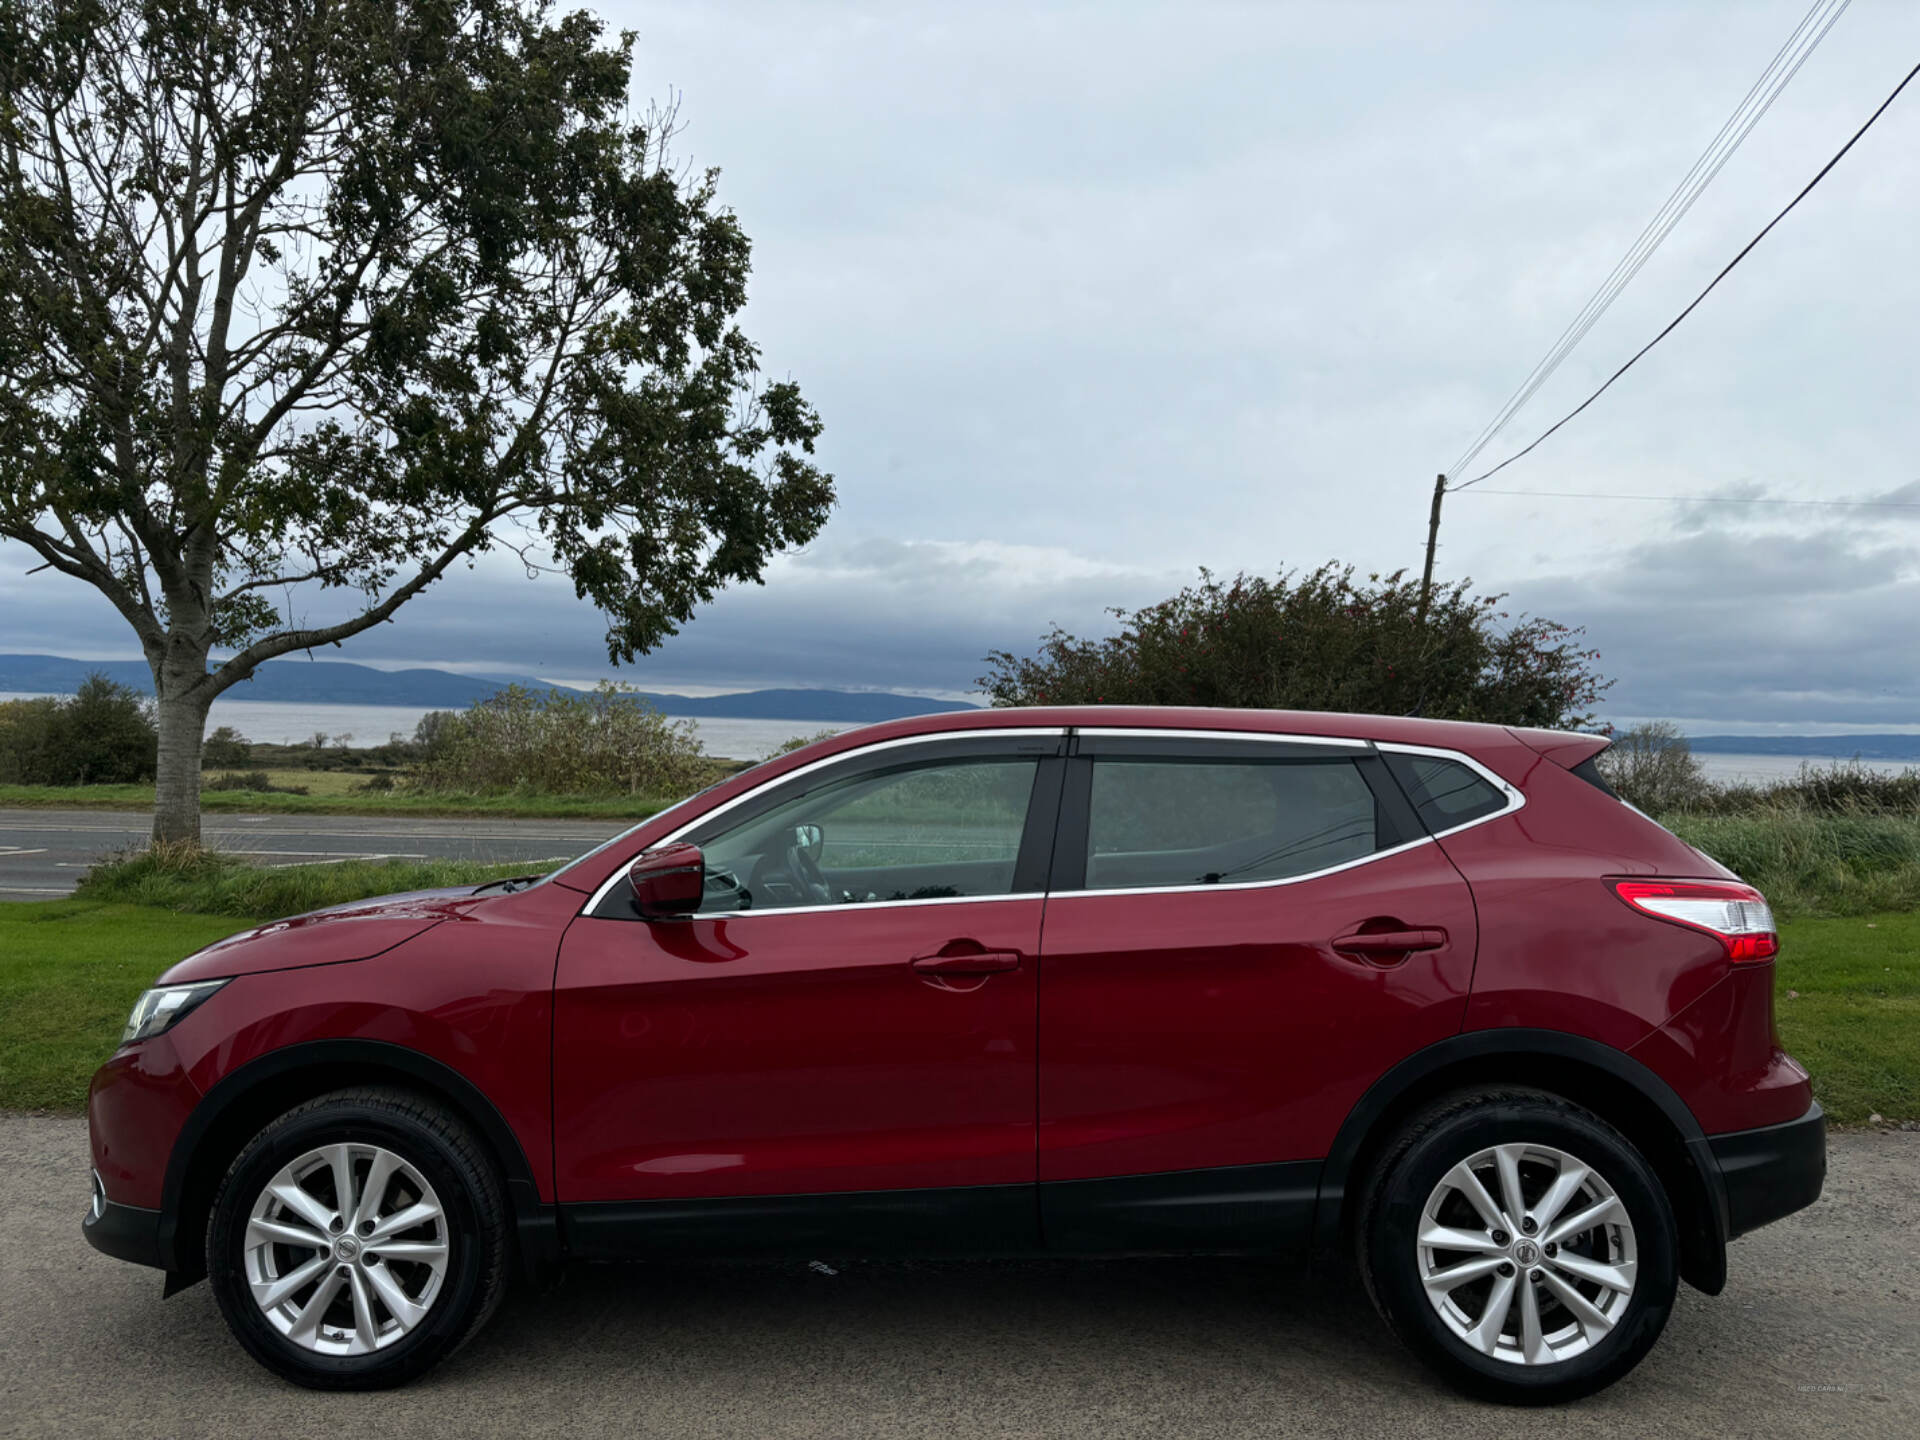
{"x": 1205, "y": 1067}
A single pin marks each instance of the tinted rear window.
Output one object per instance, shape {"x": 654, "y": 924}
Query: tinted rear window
{"x": 1214, "y": 822}
{"x": 1444, "y": 792}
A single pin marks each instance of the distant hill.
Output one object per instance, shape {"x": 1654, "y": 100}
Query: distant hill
{"x": 1867, "y": 747}
{"x": 336, "y": 682}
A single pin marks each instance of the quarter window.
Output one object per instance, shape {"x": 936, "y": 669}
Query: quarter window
{"x": 1444, "y": 792}
{"x": 934, "y": 831}
{"x": 1156, "y": 821}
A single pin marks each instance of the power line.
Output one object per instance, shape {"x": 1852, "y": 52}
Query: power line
{"x": 1674, "y": 323}
{"x": 1785, "y": 64}
{"x": 1705, "y": 499}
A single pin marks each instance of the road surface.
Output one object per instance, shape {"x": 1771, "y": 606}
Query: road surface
{"x": 1816, "y": 1335}
{"x": 43, "y": 853}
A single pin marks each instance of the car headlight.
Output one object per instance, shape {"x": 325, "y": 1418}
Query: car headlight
{"x": 158, "y": 1009}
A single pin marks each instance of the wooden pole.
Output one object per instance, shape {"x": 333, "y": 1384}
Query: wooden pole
{"x": 1433, "y": 541}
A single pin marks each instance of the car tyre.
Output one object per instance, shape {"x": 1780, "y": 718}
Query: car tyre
{"x": 358, "y": 1240}
{"x": 1535, "y": 1308}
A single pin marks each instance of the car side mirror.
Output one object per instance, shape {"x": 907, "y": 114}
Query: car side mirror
{"x": 668, "y": 880}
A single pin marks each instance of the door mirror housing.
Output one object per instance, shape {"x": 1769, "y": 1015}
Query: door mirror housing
{"x": 668, "y": 880}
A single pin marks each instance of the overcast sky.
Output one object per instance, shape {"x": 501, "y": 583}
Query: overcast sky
{"x": 1091, "y": 296}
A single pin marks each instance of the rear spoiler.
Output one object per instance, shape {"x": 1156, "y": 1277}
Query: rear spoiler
{"x": 1565, "y": 748}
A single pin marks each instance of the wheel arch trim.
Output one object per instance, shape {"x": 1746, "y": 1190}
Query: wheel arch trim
{"x": 1482, "y": 1050}
{"x": 227, "y": 1099}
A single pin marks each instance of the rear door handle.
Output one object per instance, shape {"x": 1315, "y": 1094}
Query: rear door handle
{"x": 1371, "y": 943}
{"x": 980, "y": 962}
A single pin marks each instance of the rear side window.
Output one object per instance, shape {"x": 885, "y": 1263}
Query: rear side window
{"x": 1589, "y": 771}
{"x": 1445, "y": 792}
{"x": 1163, "y": 821}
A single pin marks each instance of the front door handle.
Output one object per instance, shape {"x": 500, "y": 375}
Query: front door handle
{"x": 979, "y": 962}
{"x": 1382, "y": 944}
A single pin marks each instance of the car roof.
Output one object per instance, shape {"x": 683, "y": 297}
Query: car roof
{"x": 1461, "y": 735}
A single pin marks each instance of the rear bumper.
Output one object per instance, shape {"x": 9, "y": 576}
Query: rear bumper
{"x": 1772, "y": 1171}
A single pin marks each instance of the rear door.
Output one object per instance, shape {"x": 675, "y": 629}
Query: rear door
{"x": 1244, "y": 933}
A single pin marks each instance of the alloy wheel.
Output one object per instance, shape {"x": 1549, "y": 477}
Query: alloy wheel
{"x": 1527, "y": 1254}
{"x": 346, "y": 1249}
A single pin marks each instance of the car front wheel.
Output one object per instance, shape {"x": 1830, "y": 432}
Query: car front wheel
{"x": 357, "y": 1240}
{"x": 1521, "y": 1246}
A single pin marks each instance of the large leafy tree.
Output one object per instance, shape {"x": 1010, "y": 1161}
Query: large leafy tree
{"x": 303, "y": 302}
{"x": 1323, "y": 640}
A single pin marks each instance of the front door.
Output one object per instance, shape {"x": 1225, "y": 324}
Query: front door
{"x": 849, "y": 1016}
{"x": 1244, "y": 934}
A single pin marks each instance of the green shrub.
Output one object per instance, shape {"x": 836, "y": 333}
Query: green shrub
{"x": 226, "y": 749}
{"x": 1653, "y": 767}
{"x": 800, "y": 742}
{"x": 103, "y": 735}
{"x": 1844, "y": 788}
{"x": 258, "y": 781}
{"x": 607, "y": 742}
{"x": 1319, "y": 641}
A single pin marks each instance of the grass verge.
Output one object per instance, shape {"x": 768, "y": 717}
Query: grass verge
{"x": 1847, "y": 999}
{"x": 209, "y": 883}
{"x": 341, "y": 801}
{"x": 1848, "y": 990}
{"x": 70, "y": 971}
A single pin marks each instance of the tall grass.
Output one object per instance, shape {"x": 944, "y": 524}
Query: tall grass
{"x": 1809, "y": 863}
{"x": 206, "y": 883}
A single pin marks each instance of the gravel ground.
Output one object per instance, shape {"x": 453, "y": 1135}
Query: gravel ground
{"x": 1816, "y": 1335}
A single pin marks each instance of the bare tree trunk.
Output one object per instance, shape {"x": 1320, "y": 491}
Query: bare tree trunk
{"x": 182, "y": 696}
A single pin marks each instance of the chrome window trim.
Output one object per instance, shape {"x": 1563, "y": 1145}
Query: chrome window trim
{"x": 1035, "y": 732}
{"x": 1515, "y": 800}
{"x": 1136, "y": 732}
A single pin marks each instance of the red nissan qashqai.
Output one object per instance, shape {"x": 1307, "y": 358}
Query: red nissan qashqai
{"x": 1059, "y": 981}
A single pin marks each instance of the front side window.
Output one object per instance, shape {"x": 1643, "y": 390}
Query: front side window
{"x": 1154, "y": 821}
{"x": 937, "y": 830}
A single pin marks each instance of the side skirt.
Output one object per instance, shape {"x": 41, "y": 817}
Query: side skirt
{"x": 1239, "y": 1209}
{"x": 969, "y": 1220}
{"x": 1247, "y": 1209}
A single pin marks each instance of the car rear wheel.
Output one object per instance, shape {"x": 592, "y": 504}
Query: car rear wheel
{"x": 357, "y": 1240}
{"x": 1519, "y": 1245}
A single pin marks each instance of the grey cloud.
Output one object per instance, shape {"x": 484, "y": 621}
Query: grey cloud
{"x": 1092, "y": 295}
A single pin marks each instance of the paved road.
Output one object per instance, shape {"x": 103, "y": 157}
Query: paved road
{"x": 1816, "y": 1335}
{"x": 43, "y": 853}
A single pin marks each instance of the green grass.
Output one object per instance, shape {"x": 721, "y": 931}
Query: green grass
{"x": 1847, "y": 999}
{"x": 1847, "y": 994}
{"x": 69, "y": 973}
{"x": 338, "y": 798}
{"x": 216, "y": 884}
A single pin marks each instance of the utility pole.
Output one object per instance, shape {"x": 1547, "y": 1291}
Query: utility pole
{"x": 1433, "y": 540}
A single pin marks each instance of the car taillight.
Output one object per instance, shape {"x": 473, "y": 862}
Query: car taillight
{"x": 1737, "y": 914}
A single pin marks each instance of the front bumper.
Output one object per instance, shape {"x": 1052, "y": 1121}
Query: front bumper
{"x": 1772, "y": 1171}
{"x": 125, "y": 1232}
